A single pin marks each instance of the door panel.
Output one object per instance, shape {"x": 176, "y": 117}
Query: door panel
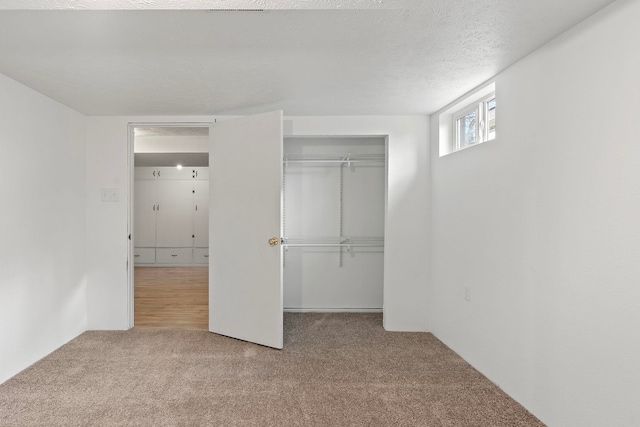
{"x": 200, "y": 173}
{"x": 245, "y": 272}
{"x": 144, "y": 211}
{"x": 201, "y": 214}
{"x": 175, "y": 214}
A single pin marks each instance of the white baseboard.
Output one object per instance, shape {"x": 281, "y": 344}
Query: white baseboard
{"x": 170, "y": 265}
{"x": 333, "y": 310}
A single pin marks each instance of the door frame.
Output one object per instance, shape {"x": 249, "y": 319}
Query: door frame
{"x": 130, "y": 201}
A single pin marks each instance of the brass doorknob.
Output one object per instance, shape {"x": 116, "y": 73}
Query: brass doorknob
{"x": 274, "y": 241}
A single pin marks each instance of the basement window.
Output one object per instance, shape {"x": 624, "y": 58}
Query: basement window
{"x": 469, "y": 121}
{"x": 475, "y": 124}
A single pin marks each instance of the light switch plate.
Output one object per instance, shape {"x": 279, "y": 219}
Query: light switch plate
{"x": 109, "y": 195}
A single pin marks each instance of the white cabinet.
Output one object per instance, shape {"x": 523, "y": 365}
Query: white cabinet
{"x": 165, "y": 173}
{"x": 145, "y": 212}
{"x": 174, "y": 227}
{"x": 201, "y": 174}
{"x": 145, "y": 173}
{"x": 201, "y": 214}
{"x": 171, "y": 215}
{"x": 201, "y": 255}
{"x": 144, "y": 255}
{"x": 174, "y": 255}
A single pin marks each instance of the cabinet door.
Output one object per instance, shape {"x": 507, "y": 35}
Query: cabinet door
{"x": 180, "y": 256}
{"x": 144, "y": 256}
{"x": 143, "y": 172}
{"x": 174, "y": 173}
{"x": 201, "y": 214}
{"x": 175, "y": 214}
{"x": 201, "y": 255}
{"x": 144, "y": 231}
{"x": 201, "y": 173}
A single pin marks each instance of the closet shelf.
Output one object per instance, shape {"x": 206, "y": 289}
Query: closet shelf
{"x": 337, "y": 242}
{"x": 334, "y": 158}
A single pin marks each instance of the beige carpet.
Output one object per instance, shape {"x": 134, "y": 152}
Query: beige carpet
{"x": 335, "y": 370}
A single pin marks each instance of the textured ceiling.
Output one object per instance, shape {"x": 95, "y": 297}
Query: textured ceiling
{"x": 207, "y": 4}
{"x": 319, "y": 57}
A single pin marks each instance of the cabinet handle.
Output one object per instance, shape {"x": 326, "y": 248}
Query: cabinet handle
{"x": 206, "y": 256}
{"x": 174, "y": 255}
{"x": 154, "y": 173}
{"x": 154, "y": 207}
{"x": 137, "y": 255}
{"x": 196, "y": 207}
{"x": 158, "y": 207}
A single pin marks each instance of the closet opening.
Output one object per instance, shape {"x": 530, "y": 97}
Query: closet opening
{"x": 333, "y": 222}
{"x": 170, "y": 234}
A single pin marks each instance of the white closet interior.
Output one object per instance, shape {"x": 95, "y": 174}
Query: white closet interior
{"x": 333, "y": 222}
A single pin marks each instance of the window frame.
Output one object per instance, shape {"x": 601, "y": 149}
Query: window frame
{"x": 480, "y": 107}
{"x": 461, "y": 114}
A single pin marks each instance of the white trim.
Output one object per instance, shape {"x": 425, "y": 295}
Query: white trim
{"x": 171, "y": 265}
{"x": 130, "y": 225}
{"x": 333, "y": 310}
{"x": 473, "y": 107}
{"x": 130, "y": 202}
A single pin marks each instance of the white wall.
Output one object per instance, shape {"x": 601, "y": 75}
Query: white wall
{"x": 172, "y": 144}
{"x": 406, "y": 220}
{"x": 544, "y": 224}
{"x": 42, "y": 243}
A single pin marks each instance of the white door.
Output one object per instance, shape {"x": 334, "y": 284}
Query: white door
{"x": 144, "y": 211}
{"x": 245, "y": 272}
{"x": 175, "y": 214}
{"x": 201, "y": 214}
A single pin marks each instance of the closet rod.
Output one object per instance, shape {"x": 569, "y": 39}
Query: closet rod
{"x": 333, "y": 158}
{"x": 333, "y": 239}
{"x": 332, "y": 245}
{"x": 331, "y": 161}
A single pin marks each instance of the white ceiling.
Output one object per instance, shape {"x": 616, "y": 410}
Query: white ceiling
{"x": 306, "y": 57}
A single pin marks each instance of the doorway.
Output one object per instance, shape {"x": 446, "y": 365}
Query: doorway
{"x": 169, "y": 239}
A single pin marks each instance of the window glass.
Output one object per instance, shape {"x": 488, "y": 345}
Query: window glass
{"x": 469, "y": 122}
{"x": 467, "y": 129}
{"x": 491, "y": 119}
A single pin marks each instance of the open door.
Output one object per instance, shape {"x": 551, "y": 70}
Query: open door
{"x": 245, "y": 267}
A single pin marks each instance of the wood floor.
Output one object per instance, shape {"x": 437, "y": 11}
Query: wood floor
{"x": 171, "y": 297}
